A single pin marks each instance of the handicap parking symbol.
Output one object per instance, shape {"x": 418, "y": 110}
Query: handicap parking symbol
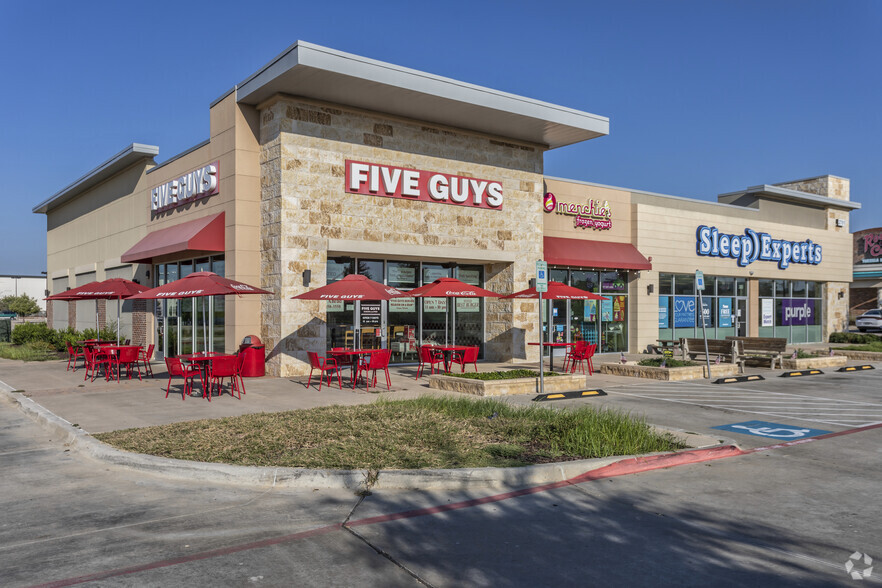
{"x": 771, "y": 430}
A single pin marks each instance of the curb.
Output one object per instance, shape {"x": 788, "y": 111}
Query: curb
{"x": 357, "y": 480}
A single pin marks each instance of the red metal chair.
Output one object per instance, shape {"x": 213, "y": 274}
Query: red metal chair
{"x": 145, "y": 357}
{"x": 223, "y": 366}
{"x": 240, "y": 361}
{"x": 430, "y": 356}
{"x": 469, "y": 355}
{"x": 376, "y": 361}
{"x": 573, "y": 352}
{"x": 96, "y": 359}
{"x": 329, "y": 365}
{"x": 73, "y": 353}
{"x": 188, "y": 372}
{"x": 584, "y": 356}
{"x": 128, "y": 357}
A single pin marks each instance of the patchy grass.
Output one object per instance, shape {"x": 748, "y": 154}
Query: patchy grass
{"x": 671, "y": 363}
{"x": 427, "y": 432}
{"x": 501, "y": 375}
{"x": 34, "y": 351}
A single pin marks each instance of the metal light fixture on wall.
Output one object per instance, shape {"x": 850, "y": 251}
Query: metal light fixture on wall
{"x": 307, "y": 275}
{"x": 841, "y": 294}
{"x": 650, "y": 288}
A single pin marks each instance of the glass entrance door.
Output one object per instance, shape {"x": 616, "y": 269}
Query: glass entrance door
{"x": 741, "y": 317}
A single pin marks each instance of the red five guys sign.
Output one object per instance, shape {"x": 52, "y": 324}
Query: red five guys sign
{"x": 412, "y": 184}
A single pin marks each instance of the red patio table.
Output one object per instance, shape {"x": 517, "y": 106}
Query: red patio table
{"x": 123, "y": 354}
{"x": 449, "y": 350}
{"x": 352, "y": 356}
{"x": 202, "y": 360}
{"x": 551, "y": 355}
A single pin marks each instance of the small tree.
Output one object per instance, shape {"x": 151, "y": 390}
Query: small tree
{"x": 22, "y": 305}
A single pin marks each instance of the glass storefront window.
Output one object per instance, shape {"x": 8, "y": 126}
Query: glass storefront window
{"x": 666, "y": 284}
{"x": 614, "y": 281}
{"x": 338, "y": 268}
{"x": 725, "y": 286}
{"x": 585, "y": 280}
{"x": 684, "y": 284}
{"x": 766, "y": 288}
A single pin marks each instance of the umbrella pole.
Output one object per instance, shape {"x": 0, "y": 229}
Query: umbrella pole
{"x": 97, "y": 328}
{"x": 204, "y": 328}
{"x": 117, "y": 318}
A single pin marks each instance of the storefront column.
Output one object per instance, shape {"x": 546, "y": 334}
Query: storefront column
{"x": 643, "y": 310}
{"x": 754, "y": 315}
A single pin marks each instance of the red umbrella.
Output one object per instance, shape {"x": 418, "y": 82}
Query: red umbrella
{"x": 199, "y": 285}
{"x": 352, "y": 287}
{"x": 196, "y": 285}
{"x": 450, "y": 288}
{"x": 558, "y": 291}
{"x": 113, "y": 288}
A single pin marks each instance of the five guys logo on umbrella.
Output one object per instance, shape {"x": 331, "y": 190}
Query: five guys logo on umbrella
{"x": 412, "y": 184}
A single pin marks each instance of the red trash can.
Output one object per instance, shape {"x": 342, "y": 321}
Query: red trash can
{"x": 254, "y": 364}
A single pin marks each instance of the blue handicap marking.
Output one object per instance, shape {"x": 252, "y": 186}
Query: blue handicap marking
{"x": 772, "y": 430}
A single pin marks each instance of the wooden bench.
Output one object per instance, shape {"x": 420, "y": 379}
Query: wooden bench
{"x": 728, "y": 351}
{"x": 771, "y": 348}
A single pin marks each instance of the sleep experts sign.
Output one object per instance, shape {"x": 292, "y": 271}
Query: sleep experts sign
{"x": 753, "y": 246}
{"x": 372, "y": 179}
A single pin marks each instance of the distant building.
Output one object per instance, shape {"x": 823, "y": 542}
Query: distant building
{"x": 16, "y": 285}
{"x": 866, "y": 289}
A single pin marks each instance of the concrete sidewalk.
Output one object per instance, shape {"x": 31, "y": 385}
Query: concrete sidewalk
{"x": 100, "y": 406}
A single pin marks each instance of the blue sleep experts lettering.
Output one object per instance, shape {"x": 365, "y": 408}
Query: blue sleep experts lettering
{"x": 753, "y": 246}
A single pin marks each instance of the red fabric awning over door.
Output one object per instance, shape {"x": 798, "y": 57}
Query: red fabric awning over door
{"x": 599, "y": 254}
{"x": 202, "y": 234}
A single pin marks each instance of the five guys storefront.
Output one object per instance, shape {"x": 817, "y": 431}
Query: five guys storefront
{"x": 323, "y": 164}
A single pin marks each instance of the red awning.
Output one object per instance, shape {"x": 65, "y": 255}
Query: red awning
{"x": 202, "y": 234}
{"x": 599, "y": 254}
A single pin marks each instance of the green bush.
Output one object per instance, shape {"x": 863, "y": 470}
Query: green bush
{"x": 671, "y": 362}
{"x": 61, "y": 337}
{"x": 853, "y": 338}
{"x": 506, "y": 375}
{"x": 28, "y": 332}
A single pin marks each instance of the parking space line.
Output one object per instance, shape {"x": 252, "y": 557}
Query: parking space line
{"x": 830, "y": 411}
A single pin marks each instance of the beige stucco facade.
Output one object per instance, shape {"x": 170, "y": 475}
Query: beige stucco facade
{"x": 281, "y": 140}
{"x": 663, "y": 229}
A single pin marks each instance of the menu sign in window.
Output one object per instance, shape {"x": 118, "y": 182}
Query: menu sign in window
{"x": 371, "y": 314}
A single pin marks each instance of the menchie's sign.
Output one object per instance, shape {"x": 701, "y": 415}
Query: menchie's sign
{"x": 412, "y": 184}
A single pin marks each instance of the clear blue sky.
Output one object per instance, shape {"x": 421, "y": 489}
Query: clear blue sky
{"x": 704, "y": 97}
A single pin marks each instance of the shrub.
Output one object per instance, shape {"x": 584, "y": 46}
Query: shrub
{"x": 28, "y": 332}
{"x": 671, "y": 362}
{"x": 506, "y": 375}
{"x": 61, "y": 337}
{"x": 853, "y": 338}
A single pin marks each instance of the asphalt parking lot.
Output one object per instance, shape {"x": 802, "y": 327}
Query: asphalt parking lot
{"x": 793, "y": 513}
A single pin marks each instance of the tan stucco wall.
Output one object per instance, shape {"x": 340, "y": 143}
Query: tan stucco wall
{"x": 94, "y": 229}
{"x": 306, "y": 211}
{"x": 664, "y": 229}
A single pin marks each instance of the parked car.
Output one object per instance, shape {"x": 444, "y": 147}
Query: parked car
{"x": 872, "y": 319}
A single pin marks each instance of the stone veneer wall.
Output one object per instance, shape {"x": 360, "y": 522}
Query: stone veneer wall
{"x": 304, "y": 145}
{"x": 837, "y": 308}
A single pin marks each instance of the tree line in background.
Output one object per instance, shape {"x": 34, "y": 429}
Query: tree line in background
{"x": 22, "y": 305}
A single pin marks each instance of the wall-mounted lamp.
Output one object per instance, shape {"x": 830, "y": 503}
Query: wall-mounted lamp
{"x": 307, "y": 275}
{"x": 148, "y": 273}
{"x": 137, "y": 281}
{"x": 841, "y": 294}
{"x": 650, "y": 288}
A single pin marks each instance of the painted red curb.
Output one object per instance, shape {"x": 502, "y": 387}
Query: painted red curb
{"x": 620, "y": 468}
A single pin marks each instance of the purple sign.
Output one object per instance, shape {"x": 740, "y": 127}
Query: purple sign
{"x": 797, "y": 311}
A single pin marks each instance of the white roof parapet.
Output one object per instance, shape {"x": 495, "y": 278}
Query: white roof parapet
{"x": 325, "y": 74}
{"x": 128, "y": 156}
{"x": 788, "y": 195}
